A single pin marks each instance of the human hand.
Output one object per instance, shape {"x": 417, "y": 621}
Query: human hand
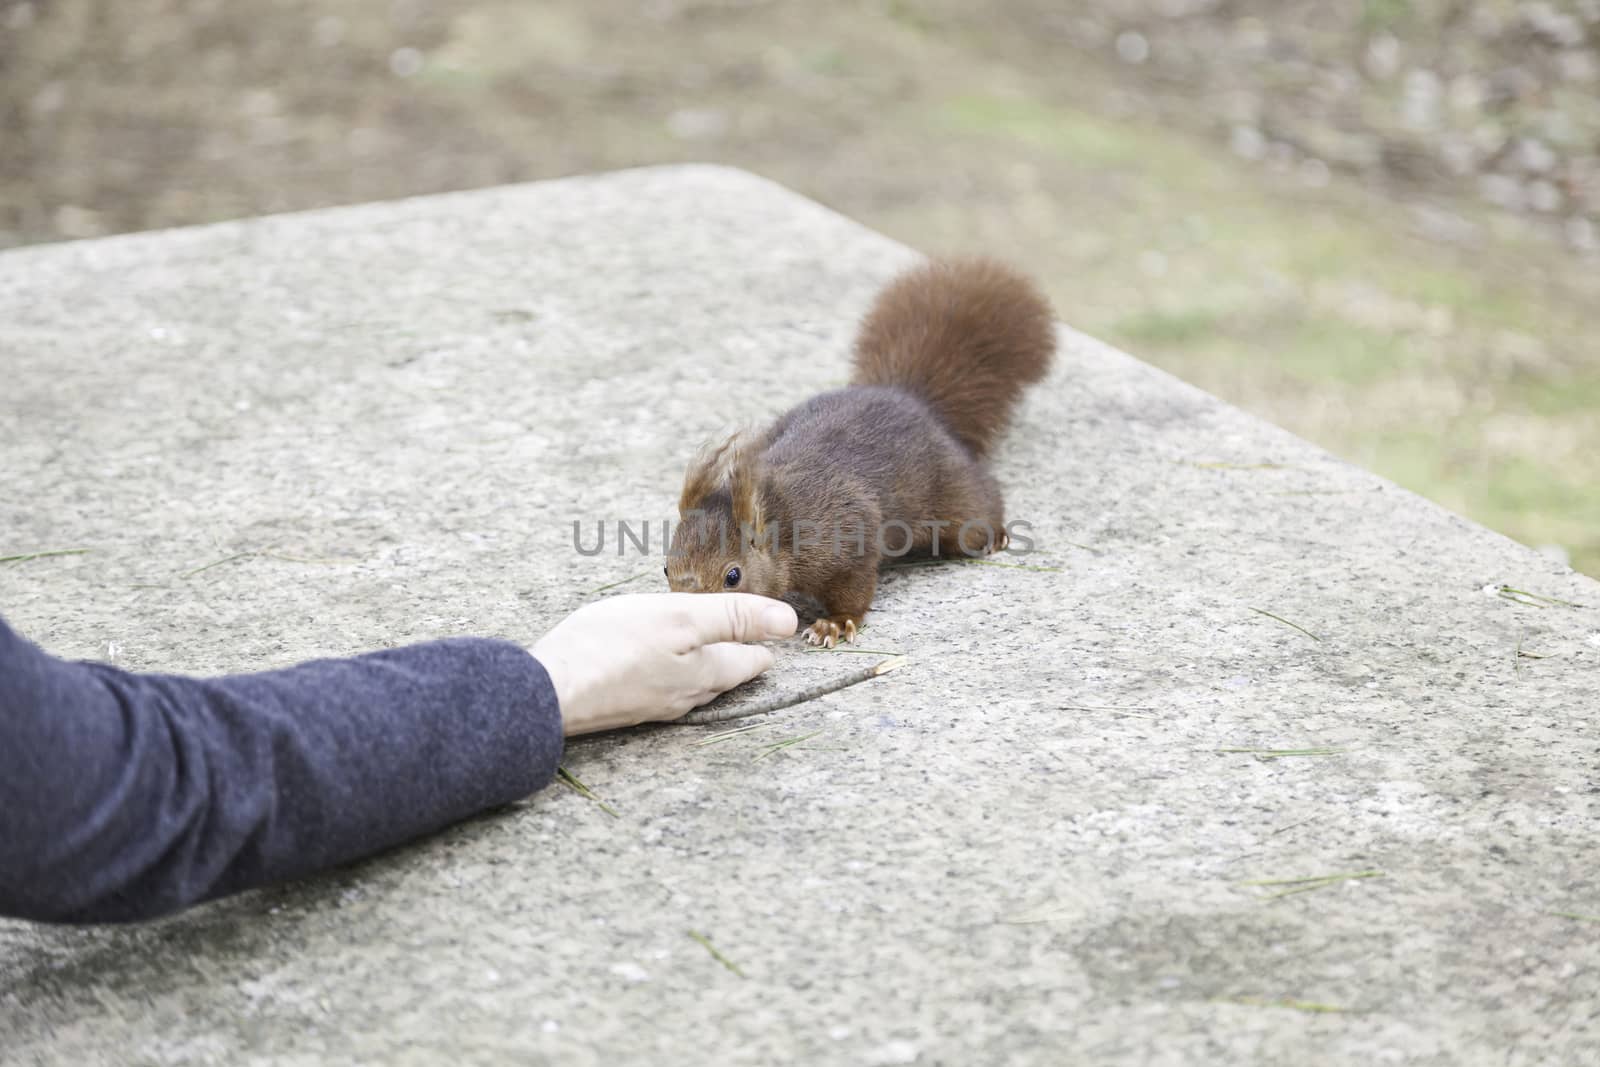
{"x": 653, "y": 656}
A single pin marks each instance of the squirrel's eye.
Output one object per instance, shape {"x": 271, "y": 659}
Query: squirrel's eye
{"x": 731, "y": 579}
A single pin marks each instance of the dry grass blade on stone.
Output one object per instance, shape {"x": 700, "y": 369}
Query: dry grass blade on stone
{"x": 1307, "y": 884}
{"x": 1532, "y": 600}
{"x": 1522, "y": 654}
{"x": 1311, "y": 1006}
{"x": 1132, "y": 711}
{"x": 969, "y": 559}
{"x": 786, "y": 743}
{"x": 1283, "y": 753}
{"x": 24, "y": 557}
{"x": 1106, "y": 707}
{"x": 705, "y": 942}
{"x": 856, "y": 651}
{"x": 216, "y": 563}
{"x": 624, "y": 581}
{"x": 729, "y": 735}
{"x": 262, "y": 553}
{"x": 319, "y": 560}
{"x": 1237, "y": 466}
{"x": 1316, "y": 492}
{"x": 1286, "y": 622}
{"x": 571, "y": 781}
{"x": 1578, "y": 916}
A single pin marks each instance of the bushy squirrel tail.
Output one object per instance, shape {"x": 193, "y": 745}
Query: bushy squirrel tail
{"x": 965, "y": 335}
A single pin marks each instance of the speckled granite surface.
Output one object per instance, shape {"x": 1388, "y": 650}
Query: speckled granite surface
{"x": 1024, "y": 847}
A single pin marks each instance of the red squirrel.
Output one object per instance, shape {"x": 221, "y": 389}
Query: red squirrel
{"x": 891, "y": 465}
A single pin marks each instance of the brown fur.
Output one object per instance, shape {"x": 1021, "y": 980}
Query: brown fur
{"x": 965, "y": 335}
{"x": 940, "y": 362}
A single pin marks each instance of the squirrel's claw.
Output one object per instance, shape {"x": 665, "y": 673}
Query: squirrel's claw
{"x": 827, "y": 633}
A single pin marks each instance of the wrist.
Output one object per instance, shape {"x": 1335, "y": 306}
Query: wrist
{"x": 579, "y": 692}
{"x": 564, "y": 682}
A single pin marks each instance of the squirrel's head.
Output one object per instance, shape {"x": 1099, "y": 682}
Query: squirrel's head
{"x": 722, "y": 542}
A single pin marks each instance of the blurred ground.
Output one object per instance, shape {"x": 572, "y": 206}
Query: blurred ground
{"x": 1373, "y": 227}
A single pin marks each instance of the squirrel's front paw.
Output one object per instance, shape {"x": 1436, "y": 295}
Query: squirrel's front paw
{"x": 830, "y": 630}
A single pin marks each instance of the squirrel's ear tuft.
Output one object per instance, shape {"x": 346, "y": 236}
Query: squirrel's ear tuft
{"x": 706, "y": 473}
{"x": 744, "y": 482}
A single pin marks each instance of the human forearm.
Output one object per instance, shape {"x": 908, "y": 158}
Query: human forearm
{"x": 124, "y": 796}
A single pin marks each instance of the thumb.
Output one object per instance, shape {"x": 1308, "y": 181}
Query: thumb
{"x": 719, "y": 617}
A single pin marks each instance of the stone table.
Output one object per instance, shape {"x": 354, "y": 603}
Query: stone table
{"x": 1231, "y": 658}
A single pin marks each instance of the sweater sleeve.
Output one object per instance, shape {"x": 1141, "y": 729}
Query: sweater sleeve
{"x": 125, "y": 796}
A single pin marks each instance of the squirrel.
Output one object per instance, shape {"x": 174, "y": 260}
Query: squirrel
{"x": 890, "y": 465}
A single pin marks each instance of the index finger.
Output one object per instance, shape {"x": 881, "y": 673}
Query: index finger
{"x": 718, "y": 617}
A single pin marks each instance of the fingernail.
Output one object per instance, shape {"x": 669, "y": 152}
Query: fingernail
{"x": 780, "y": 619}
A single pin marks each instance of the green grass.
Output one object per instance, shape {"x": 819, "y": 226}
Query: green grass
{"x": 1319, "y": 348}
{"x": 1080, "y": 136}
{"x": 1525, "y": 497}
{"x": 1326, "y": 315}
{"x": 1560, "y": 395}
{"x": 1160, "y": 327}
{"x": 1313, "y": 349}
{"x": 1379, "y": 15}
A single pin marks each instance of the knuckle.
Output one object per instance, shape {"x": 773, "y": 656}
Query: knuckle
{"x": 735, "y": 618}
